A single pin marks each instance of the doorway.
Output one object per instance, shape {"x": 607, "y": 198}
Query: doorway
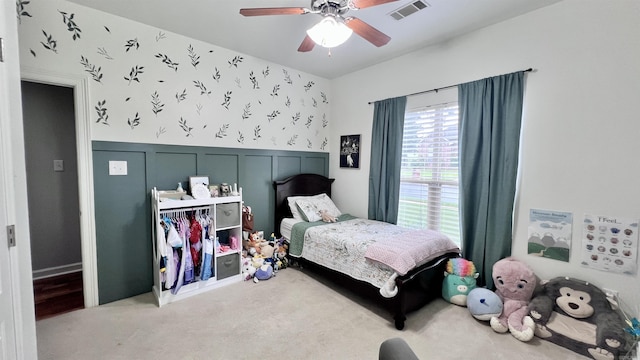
{"x": 53, "y": 199}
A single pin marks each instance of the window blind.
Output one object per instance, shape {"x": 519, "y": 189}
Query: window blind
{"x": 429, "y": 171}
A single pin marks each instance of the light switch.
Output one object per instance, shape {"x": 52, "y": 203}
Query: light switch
{"x": 117, "y": 167}
{"x": 58, "y": 165}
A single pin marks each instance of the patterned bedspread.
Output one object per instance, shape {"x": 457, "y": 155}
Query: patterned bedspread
{"x": 343, "y": 246}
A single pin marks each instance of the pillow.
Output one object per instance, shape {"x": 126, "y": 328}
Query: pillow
{"x": 324, "y": 202}
{"x": 308, "y": 210}
{"x": 310, "y": 207}
{"x": 294, "y": 208}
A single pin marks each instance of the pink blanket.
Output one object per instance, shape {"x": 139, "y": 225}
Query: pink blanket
{"x": 412, "y": 249}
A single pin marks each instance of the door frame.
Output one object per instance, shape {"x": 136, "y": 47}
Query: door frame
{"x": 80, "y": 87}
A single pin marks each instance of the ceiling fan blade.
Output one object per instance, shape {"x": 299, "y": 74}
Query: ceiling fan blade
{"x": 307, "y": 44}
{"x": 367, "y": 31}
{"x": 273, "y": 11}
{"x": 361, "y": 4}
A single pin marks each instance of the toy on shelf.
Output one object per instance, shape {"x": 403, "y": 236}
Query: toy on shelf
{"x": 515, "y": 283}
{"x": 459, "y": 279}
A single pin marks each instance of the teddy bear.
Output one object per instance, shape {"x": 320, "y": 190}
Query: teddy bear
{"x": 326, "y": 217}
{"x": 578, "y": 316}
{"x": 515, "y": 283}
{"x": 459, "y": 278}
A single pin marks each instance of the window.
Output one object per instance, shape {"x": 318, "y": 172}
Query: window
{"x": 429, "y": 172}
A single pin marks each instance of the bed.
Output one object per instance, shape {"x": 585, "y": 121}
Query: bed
{"x": 400, "y": 285}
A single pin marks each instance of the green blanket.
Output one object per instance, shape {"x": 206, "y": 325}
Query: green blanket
{"x": 296, "y": 243}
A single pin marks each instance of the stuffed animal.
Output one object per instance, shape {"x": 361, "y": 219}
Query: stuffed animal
{"x": 266, "y": 250}
{"x": 272, "y": 261}
{"x": 257, "y": 261}
{"x": 484, "y": 304}
{"x": 264, "y": 272}
{"x": 578, "y": 316}
{"x": 515, "y": 283}
{"x": 247, "y": 268}
{"x": 283, "y": 263}
{"x": 281, "y": 252}
{"x": 252, "y": 244}
{"x": 459, "y": 279}
{"x": 326, "y": 217}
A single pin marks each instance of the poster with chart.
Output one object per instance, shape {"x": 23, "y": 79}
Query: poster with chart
{"x": 610, "y": 244}
{"x": 550, "y": 234}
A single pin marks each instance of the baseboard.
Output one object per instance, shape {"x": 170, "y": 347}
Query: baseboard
{"x": 56, "y": 270}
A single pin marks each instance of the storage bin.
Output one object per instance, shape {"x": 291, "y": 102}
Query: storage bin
{"x": 227, "y": 265}
{"x": 227, "y": 215}
{"x": 171, "y": 194}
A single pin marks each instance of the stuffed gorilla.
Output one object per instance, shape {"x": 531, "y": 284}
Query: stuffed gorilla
{"x": 577, "y": 315}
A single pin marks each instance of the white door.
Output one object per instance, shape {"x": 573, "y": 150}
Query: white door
{"x": 17, "y": 321}
{"x": 7, "y": 325}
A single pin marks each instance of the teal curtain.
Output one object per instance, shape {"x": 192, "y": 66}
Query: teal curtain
{"x": 386, "y": 157}
{"x": 490, "y": 117}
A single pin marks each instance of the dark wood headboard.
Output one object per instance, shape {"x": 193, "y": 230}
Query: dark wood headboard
{"x": 297, "y": 185}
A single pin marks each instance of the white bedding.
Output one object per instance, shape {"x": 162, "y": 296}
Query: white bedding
{"x": 286, "y": 225}
{"x": 342, "y": 247}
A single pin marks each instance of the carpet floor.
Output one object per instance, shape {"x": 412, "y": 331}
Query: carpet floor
{"x": 295, "y": 315}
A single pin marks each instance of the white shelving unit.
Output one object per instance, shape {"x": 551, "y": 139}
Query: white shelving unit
{"x": 227, "y": 213}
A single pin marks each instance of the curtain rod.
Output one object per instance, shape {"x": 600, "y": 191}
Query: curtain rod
{"x": 442, "y": 88}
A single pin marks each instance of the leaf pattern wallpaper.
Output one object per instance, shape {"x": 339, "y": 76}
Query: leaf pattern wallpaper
{"x": 149, "y": 85}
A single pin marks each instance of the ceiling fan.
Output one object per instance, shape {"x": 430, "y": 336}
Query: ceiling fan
{"x": 333, "y": 13}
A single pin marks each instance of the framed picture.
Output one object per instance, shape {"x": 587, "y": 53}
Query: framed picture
{"x": 214, "y": 190}
{"x": 204, "y": 180}
{"x": 350, "y": 151}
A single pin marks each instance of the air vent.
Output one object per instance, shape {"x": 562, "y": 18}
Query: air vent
{"x": 409, "y": 9}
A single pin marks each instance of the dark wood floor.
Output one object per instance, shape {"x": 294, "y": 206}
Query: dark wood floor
{"x": 58, "y": 294}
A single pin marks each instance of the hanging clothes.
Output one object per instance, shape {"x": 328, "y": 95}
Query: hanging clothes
{"x": 195, "y": 243}
{"x": 165, "y": 249}
{"x": 207, "y": 259}
{"x": 181, "y": 240}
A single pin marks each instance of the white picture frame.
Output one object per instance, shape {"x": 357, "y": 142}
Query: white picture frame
{"x": 204, "y": 180}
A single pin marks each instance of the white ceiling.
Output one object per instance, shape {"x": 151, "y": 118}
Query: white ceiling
{"x": 276, "y": 38}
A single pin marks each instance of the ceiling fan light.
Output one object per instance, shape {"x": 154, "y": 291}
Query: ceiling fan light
{"x": 329, "y": 33}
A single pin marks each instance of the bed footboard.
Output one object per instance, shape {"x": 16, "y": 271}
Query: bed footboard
{"x": 415, "y": 289}
{"x": 418, "y": 288}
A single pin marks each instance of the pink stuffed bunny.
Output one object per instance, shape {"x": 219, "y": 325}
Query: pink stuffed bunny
{"x": 515, "y": 283}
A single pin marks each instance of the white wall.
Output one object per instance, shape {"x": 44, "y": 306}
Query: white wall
{"x": 131, "y": 66}
{"x": 580, "y": 129}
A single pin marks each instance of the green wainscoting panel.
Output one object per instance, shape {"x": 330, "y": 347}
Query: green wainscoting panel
{"x": 258, "y": 177}
{"x": 123, "y": 203}
{"x": 122, "y": 213}
{"x": 221, "y": 168}
{"x": 315, "y": 165}
{"x": 171, "y": 168}
{"x": 289, "y": 165}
